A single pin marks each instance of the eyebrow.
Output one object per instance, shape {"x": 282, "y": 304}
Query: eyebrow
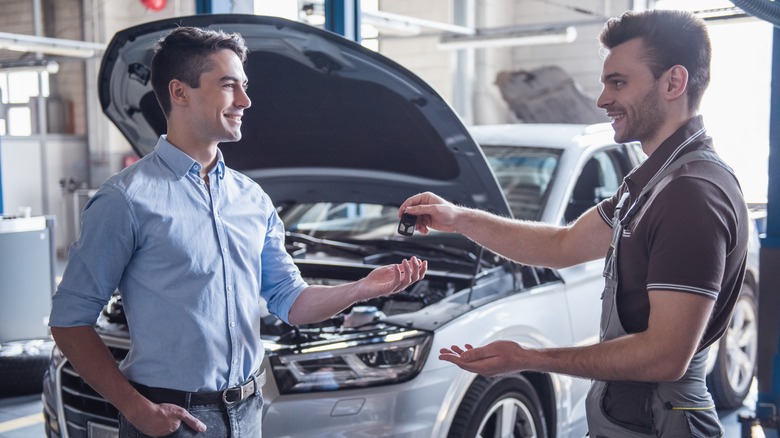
{"x": 613, "y": 76}
{"x": 233, "y": 79}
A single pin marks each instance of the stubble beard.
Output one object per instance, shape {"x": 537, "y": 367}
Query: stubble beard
{"x": 647, "y": 118}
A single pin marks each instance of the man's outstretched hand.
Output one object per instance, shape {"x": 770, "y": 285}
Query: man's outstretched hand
{"x": 495, "y": 358}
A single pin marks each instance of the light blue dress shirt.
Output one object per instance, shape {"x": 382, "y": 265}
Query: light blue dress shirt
{"x": 192, "y": 263}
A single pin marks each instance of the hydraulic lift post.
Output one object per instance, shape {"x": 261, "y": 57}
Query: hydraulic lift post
{"x": 768, "y": 374}
{"x": 343, "y": 17}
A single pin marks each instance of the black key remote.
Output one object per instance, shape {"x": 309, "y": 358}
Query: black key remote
{"x": 406, "y": 226}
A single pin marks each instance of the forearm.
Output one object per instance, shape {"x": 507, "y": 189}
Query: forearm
{"x": 630, "y": 358}
{"x": 95, "y": 364}
{"x": 536, "y": 243}
{"x": 317, "y": 303}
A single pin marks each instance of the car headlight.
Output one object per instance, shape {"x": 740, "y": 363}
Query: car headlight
{"x": 390, "y": 358}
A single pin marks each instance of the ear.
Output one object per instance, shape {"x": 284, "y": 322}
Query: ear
{"x": 676, "y": 81}
{"x": 178, "y": 92}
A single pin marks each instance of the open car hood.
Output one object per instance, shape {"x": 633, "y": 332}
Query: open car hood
{"x": 330, "y": 120}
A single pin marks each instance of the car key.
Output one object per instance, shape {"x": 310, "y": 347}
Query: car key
{"x": 406, "y": 225}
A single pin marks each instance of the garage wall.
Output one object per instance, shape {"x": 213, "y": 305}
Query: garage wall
{"x": 60, "y": 19}
{"x": 108, "y": 147}
{"x": 79, "y": 146}
{"x": 419, "y": 54}
{"x": 67, "y": 98}
{"x": 37, "y": 167}
{"x": 580, "y": 59}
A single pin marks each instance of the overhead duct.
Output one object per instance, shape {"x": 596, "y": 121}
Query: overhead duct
{"x": 764, "y": 9}
{"x": 50, "y": 46}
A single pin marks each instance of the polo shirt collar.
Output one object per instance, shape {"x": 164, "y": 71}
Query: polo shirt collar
{"x": 180, "y": 163}
{"x": 640, "y": 176}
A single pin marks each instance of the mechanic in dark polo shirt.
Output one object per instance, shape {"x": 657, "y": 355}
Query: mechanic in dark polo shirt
{"x": 674, "y": 236}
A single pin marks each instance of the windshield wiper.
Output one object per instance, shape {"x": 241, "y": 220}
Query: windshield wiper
{"x": 309, "y": 241}
{"x": 374, "y": 252}
{"x": 425, "y": 250}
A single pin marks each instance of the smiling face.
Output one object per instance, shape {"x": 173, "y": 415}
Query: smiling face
{"x": 631, "y": 94}
{"x": 216, "y": 106}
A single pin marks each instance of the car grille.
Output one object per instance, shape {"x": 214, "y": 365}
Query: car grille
{"x": 82, "y": 406}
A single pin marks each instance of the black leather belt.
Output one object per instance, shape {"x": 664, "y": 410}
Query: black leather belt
{"x": 228, "y": 397}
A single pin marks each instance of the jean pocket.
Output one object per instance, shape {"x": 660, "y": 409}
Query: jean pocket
{"x": 703, "y": 423}
{"x": 629, "y": 405}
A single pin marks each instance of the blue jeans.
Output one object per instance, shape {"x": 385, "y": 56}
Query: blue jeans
{"x": 240, "y": 421}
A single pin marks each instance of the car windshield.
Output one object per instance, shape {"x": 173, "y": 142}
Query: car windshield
{"x": 524, "y": 174}
{"x": 342, "y": 220}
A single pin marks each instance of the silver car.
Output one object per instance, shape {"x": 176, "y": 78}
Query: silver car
{"x": 339, "y": 136}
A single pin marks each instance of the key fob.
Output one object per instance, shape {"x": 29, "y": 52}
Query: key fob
{"x": 406, "y": 225}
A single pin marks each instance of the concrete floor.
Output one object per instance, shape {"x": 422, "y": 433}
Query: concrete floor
{"x": 21, "y": 417}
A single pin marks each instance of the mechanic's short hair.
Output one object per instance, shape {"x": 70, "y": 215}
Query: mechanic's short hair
{"x": 183, "y": 54}
{"x": 670, "y": 38}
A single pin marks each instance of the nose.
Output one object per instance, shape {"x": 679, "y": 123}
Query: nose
{"x": 243, "y": 99}
{"x": 604, "y": 99}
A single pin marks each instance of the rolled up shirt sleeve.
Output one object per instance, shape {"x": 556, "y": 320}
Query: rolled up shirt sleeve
{"x": 96, "y": 261}
{"x": 281, "y": 279}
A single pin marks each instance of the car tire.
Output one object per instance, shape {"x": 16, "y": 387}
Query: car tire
{"x": 735, "y": 365}
{"x": 489, "y": 401}
{"x": 22, "y": 365}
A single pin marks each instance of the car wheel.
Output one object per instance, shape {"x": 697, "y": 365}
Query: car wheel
{"x": 731, "y": 377}
{"x": 22, "y": 365}
{"x": 507, "y": 407}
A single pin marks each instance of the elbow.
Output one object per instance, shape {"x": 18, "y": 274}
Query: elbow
{"x": 670, "y": 369}
{"x": 293, "y": 318}
{"x": 298, "y": 315}
{"x": 57, "y": 333}
{"x": 671, "y": 375}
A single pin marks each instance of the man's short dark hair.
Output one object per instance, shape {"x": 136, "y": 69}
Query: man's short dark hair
{"x": 183, "y": 54}
{"x": 670, "y": 38}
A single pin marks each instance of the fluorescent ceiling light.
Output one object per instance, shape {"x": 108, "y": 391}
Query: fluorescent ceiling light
{"x": 36, "y": 65}
{"x": 394, "y": 23}
{"x": 50, "y": 46}
{"x": 410, "y": 25}
{"x": 504, "y": 39}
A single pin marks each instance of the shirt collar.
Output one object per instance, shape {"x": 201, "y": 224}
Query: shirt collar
{"x": 220, "y": 167}
{"x": 181, "y": 163}
{"x": 640, "y": 176}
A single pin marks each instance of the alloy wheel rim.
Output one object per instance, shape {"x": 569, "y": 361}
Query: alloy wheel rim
{"x": 508, "y": 418}
{"x": 741, "y": 344}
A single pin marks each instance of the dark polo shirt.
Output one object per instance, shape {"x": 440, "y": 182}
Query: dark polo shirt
{"x": 691, "y": 235}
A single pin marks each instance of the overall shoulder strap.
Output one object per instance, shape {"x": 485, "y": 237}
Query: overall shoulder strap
{"x": 690, "y": 157}
{"x": 685, "y": 159}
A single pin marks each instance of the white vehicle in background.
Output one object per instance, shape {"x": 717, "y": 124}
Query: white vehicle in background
{"x": 339, "y": 136}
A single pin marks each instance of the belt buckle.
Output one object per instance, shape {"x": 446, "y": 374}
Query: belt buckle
{"x": 230, "y": 403}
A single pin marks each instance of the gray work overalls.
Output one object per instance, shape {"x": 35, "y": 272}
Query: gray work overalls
{"x": 682, "y": 408}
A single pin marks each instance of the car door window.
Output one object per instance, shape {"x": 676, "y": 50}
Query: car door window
{"x": 524, "y": 174}
{"x": 599, "y": 179}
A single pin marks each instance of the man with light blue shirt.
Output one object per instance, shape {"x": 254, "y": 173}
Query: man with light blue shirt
{"x": 193, "y": 245}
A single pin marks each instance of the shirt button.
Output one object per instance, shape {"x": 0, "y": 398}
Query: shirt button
{"x": 235, "y": 361}
{"x": 232, "y": 324}
{"x": 224, "y": 250}
{"x": 202, "y": 182}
